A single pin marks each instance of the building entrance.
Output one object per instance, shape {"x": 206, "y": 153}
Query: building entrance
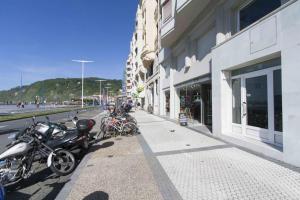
{"x": 257, "y": 105}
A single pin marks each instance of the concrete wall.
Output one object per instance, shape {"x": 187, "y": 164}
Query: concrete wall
{"x": 290, "y": 40}
{"x": 276, "y": 35}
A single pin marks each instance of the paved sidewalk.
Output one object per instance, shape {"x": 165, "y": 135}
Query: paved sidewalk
{"x": 116, "y": 170}
{"x": 199, "y": 167}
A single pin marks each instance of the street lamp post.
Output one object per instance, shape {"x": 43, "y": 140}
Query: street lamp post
{"x": 82, "y": 76}
{"x": 100, "y": 81}
{"x": 107, "y": 94}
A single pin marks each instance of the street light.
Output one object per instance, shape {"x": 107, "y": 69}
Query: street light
{"x": 107, "y": 94}
{"x": 100, "y": 81}
{"x": 82, "y": 75}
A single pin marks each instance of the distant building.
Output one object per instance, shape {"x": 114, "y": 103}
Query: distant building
{"x": 142, "y": 51}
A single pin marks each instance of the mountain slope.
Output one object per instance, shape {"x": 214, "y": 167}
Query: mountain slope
{"x": 57, "y": 90}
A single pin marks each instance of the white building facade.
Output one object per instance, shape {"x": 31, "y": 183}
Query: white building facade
{"x": 150, "y": 56}
{"x": 188, "y": 33}
{"x": 142, "y": 52}
{"x": 232, "y": 66}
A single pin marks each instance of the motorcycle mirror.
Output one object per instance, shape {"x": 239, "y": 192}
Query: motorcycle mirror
{"x": 12, "y": 136}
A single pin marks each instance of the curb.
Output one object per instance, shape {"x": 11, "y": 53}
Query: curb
{"x": 65, "y": 191}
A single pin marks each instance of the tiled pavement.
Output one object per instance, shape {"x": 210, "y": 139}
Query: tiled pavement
{"x": 191, "y": 166}
{"x": 115, "y": 169}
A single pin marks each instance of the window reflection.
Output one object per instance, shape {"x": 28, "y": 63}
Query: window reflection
{"x": 277, "y": 100}
{"x": 255, "y": 10}
{"x": 236, "y": 101}
{"x": 257, "y": 101}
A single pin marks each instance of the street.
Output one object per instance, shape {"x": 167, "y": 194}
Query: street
{"x": 44, "y": 184}
{"x": 6, "y": 109}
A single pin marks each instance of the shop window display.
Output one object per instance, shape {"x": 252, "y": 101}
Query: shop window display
{"x": 190, "y": 102}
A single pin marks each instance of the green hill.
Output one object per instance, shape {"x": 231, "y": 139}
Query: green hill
{"x": 57, "y": 90}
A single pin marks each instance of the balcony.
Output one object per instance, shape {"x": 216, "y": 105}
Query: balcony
{"x": 147, "y": 56}
{"x": 176, "y": 21}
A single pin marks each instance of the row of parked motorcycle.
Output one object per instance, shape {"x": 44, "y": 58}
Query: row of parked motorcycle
{"x": 48, "y": 143}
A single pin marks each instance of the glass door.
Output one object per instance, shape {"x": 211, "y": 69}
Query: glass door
{"x": 256, "y": 105}
{"x": 257, "y": 101}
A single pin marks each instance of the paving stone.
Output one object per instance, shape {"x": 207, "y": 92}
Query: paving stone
{"x": 215, "y": 173}
{"x": 118, "y": 171}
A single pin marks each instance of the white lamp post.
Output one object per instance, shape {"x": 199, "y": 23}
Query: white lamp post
{"x": 100, "y": 81}
{"x": 82, "y": 76}
{"x": 107, "y": 94}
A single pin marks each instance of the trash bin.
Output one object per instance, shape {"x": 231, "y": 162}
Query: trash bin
{"x": 182, "y": 119}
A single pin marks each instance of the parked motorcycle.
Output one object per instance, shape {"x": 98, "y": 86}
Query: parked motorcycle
{"x": 2, "y": 191}
{"x": 57, "y": 135}
{"x": 16, "y": 162}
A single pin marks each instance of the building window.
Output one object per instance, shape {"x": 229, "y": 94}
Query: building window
{"x": 236, "y": 101}
{"x": 167, "y": 10}
{"x": 150, "y": 71}
{"x": 277, "y": 100}
{"x": 167, "y": 103}
{"x": 255, "y": 10}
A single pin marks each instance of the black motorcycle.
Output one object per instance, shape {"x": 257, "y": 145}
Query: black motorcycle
{"x": 57, "y": 135}
{"x": 16, "y": 162}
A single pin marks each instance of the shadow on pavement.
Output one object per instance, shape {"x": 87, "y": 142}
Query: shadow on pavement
{"x": 99, "y": 195}
{"x": 102, "y": 146}
{"x": 56, "y": 188}
{"x": 36, "y": 177}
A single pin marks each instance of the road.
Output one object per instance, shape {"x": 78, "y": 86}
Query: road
{"x": 43, "y": 184}
{"x": 7, "y": 128}
{"x": 6, "y": 109}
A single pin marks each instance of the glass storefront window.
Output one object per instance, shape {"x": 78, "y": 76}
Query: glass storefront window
{"x": 167, "y": 106}
{"x": 277, "y": 100}
{"x": 236, "y": 101}
{"x": 190, "y": 101}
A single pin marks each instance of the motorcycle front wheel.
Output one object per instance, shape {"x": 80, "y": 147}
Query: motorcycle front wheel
{"x": 63, "y": 163}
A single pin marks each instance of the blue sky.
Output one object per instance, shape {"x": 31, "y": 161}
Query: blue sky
{"x": 39, "y": 38}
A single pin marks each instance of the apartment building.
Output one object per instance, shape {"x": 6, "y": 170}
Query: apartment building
{"x": 150, "y": 56}
{"x": 142, "y": 53}
{"x": 188, "y": 33}
{"x": 129, "y": 81}
{"x": 232, "y": 67}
